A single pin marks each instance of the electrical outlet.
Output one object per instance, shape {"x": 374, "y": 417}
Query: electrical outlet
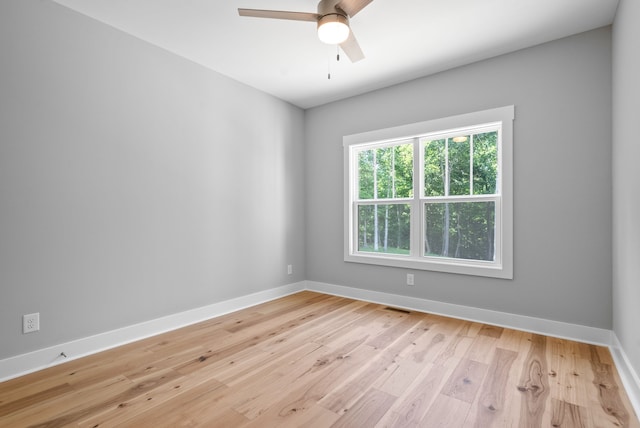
{"x": 30, "y": 323}
{"x": 289, "y": 269}
{"x": 410, "y": 279}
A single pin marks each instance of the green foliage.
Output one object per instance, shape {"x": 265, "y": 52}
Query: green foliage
{"x": 462, "y": 230}
{"x": 448, "y": 165}
{"x": 485, "y": 163}
{"x": 459, "y": 161}
{"x": 389, "y": 250}
{"x": 386, "y": 172}
{"x": 461, "y": 166}
{"x": 434, "y": 166}
{"x": 393, "y": 231}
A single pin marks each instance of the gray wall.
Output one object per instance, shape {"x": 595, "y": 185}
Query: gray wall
{"x": 562, "y": 173}
{"x": 133, "y": 183}
{"x": 626, "y": 178}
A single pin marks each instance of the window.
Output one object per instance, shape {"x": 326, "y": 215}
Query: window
{"x": 434, "y": 195}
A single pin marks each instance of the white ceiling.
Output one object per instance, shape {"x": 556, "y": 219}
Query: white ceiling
{"x": 401, "y": 39}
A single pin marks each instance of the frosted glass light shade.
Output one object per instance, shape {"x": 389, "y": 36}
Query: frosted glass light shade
{"x": 333, "y": 29}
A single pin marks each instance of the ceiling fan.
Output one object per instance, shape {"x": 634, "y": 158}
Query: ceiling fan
{"x": 332, "y": 20}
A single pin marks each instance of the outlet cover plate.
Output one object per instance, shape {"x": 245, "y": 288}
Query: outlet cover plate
{"x": 410, "y": 279}
{"x": 30, "y": 323}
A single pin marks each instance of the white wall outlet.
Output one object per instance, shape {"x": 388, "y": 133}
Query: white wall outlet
{"x": 30, "y": 323}
{"x": 410, "y": 279}
{"x": 289, "y": 269}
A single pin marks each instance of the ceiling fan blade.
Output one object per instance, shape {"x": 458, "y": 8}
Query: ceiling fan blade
{"x": 352, "y": 6}
{"x": 352, "y": 48}
{"x": 279, "y": 14}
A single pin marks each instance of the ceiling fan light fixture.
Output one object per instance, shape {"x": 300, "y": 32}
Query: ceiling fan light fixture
{"x": 333, "y": 29}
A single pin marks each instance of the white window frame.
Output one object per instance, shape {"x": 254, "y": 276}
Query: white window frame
{"x": 502, "y": 267}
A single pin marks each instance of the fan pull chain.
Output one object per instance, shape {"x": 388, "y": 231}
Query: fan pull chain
{"x": 329, "y": 62}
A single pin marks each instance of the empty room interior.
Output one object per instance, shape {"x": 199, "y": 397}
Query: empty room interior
{"x": 212, "y": 218}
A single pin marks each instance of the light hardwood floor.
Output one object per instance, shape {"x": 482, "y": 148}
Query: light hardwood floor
{"x": 312, "y": 360}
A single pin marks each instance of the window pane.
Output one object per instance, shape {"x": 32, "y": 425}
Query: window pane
{"x": 459, "y": 165}
{"x": 386, "y": 172}
{"x": 434, "y": 172}
{"x": 384, "y": 228}
{"x": 485, "y": 163}
{"x": 461, "y": 230}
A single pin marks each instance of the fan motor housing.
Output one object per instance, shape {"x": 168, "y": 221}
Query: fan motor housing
{"x": 333, "y": 17}
{"x": 327, "y": 7}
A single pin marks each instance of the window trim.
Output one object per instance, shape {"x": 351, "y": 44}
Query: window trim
{"x": 503, "y": 267}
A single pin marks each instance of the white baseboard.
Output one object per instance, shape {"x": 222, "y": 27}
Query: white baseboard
{"x": 630, "y": 378}
{"x": 42, "y": 358}
{"x": 563, "y": 330}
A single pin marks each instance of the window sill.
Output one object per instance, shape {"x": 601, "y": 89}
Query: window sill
{"x": 485, "y": 269}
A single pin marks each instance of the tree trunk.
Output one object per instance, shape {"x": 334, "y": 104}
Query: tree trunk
{"x": 398, "y": 232}
{"x": 386, "y": 228}
{"x": 457, "y": 253}
{"x": 490, "y": 233}
{"x": 390, "y": 192}
{"x": 445, "y": 231}
{"x": 426, "y": 242}
{"x": 376, "y": 236}
{"x": 365, "y": 242}
{"x": 445, "y": 179}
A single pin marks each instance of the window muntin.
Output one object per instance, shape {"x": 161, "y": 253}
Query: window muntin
{"x": 455, "y": 169}
{"x": 385, "y": 192}
{"x": 436, "y": 195}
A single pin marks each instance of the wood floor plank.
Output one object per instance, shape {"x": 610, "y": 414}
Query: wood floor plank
{"x": 262, "y": 397}
{"x": 366, "y": 325}
{"x": 69, "y": 408}
{"x": 391, "y": 334}
{"x": 189, "y": 408}
{"x": 315, "y": 361}
{"x": 465, "y": 381}
{"x": 513, "y": 340}
{"x": 609, "y": 393}
{"x": 302, "y": 395}
{"x": 224, "y": 418}
{"x": 491, "y": 331}
{"x": 567, "y": 415}
{"x": 33, "y": 399}
{"x": 122, "y": 411}
{"x": 367, "y": 411}
{"x": 412, "y": 406}
{"x": 481, "y": 349}
{"x": 445, "y": 412}
{"x": 302, "y": 307}
{"x": 457, "y": 347}
{"x": 246, "y": 339}
{"x": 381, "y": 359}
{"x": 427, "y": 346}
{"x": 491, "y": 406}
{"x": 315, "y": 417}
{"x": 534, "y": 384}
